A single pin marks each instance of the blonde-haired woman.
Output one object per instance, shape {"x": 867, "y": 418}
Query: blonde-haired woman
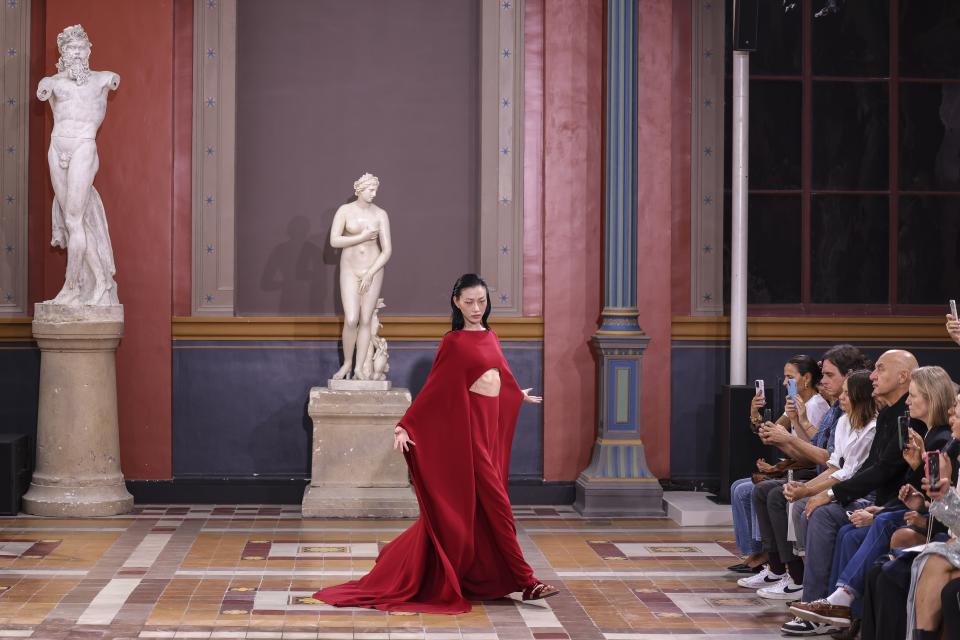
{"x": 874, "y": 530}
{"x": 362, "y": 230}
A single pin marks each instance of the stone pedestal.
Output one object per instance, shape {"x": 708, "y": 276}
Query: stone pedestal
{"x": 78, "y": 443}
{"x": 356, "y": 472}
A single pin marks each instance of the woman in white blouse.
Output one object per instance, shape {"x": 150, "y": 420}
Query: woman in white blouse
{"x": 854, "y": 435}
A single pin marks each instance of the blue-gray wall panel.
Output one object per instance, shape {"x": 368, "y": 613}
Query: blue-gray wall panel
{"x": 698, "y": 369}
{"x": 19, "y": 383}
{"x": 239, "y": 408}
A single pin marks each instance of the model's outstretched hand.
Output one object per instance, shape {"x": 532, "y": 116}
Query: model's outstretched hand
{"x": 529, "y": 398}
{"x": 401, "y": 439}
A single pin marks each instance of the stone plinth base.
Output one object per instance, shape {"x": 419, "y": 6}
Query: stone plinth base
{"x": 618, "y": 499}
{"x": 359, "y": 385}
{"x": 78, "y": 445}
{"x": 359, "y": 502}
{"x": 66, "y": 502}
{"x": 356, "y": 473}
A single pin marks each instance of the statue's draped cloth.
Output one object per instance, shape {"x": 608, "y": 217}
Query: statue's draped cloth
{"x": 97, "y": 232}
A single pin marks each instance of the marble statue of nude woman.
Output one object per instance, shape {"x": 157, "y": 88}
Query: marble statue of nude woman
{"x": 361, "y": 230}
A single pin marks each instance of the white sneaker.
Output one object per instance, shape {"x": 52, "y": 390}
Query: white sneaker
{"x": 785, "y": 589}
{"x": 801, "y": 627}
{"x": 760, "y": 580}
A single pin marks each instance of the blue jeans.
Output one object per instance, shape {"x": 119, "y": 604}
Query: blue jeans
{"x": 822, "y": 529}
{"x": 857, "y": 550}
{"x": 741, "y": 500}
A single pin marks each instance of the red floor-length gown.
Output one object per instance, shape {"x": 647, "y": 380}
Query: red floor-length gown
{"x": 464, "y": 545}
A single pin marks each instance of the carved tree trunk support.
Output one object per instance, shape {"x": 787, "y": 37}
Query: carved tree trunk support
{"x": 356, "y": 472}
{"x": 78, "y": 443}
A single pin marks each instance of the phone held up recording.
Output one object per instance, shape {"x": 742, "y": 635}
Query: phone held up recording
{"x": 931, "y": 461}
{"x": 903, "y": 434}
{"x": 791, "y": 388}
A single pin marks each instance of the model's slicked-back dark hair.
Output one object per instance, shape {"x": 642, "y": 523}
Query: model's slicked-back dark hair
{"x": 466, "y": 281}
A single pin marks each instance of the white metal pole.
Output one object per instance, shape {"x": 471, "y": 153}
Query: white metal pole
{"x": 738, "y": 233}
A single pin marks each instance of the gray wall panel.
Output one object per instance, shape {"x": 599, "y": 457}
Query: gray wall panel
{"x": 239, "y": 409}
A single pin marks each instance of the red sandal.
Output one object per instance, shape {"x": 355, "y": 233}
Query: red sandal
{"x": 539, "y": 591}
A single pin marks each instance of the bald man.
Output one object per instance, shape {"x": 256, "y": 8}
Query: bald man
{"x": 882, "y": 473}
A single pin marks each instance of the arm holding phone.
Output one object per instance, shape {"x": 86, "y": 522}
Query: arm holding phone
{"x": 953, "y": 322}
{"x": 913, "y": 449}
{"x": 796, "y": 410}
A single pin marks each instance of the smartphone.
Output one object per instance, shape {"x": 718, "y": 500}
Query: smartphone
{"x": 903, "y": 435}
{"x": 932, "y": 462}
{"x": 953, "y": 309}
{"x": 791, "y": 388}
{"x": 767, "y": 415}
{"x": 758, "y": 385}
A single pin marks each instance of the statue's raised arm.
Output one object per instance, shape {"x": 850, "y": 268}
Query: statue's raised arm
{"x": 45, "y": 89}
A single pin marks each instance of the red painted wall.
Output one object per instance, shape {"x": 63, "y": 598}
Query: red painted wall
{"x": 182, "y": 156}
{"x": 572, "y": 193}
{"x": 655, "y": 169}
{"x": 135, "y": 40}
{"x": 533, "y": 157}
{"x": 682, "y": 68}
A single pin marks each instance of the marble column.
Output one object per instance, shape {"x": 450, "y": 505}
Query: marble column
{"x": 78, "y": 443}
{"x": 617, "y": 481}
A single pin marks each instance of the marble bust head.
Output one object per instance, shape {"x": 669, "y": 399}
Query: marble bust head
{"x": 74, "y": 47}
{"x": 365, "y": 181}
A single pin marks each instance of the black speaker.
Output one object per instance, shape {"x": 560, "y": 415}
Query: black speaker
{"x": 745, "y": 19}
{"x": 15, "y": 471}
{"x": 739, "y": 445}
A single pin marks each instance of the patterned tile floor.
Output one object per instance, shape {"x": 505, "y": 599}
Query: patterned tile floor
{"x": 243, "y": 572}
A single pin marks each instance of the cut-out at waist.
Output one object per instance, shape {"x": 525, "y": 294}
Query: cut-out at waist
{"x": 488, "y": 384}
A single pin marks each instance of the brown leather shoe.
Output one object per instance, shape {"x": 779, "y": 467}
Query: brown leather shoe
{"x": 822, "y": 611}
{"x": 850, "y": 633}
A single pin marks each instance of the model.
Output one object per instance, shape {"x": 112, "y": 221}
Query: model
{"x": 456, "y": 437}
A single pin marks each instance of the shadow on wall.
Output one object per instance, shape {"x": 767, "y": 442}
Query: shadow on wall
{"x": 294, "y": 267}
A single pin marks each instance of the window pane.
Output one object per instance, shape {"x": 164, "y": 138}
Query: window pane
{"x": 773, "y": 249}
{"x": 928, "y": 38}
{"x": 848, "y": 249}
{"x": 852, "y": 42}
{"x": 774, "y": 134}
{"x": 929, "y": 136}
{"x": 928, "y": 263}
{"x": 778, "y": 41}
{"x": 850, "y": 135}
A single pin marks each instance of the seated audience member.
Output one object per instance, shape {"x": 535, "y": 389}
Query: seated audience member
{"x": 931, "y": 400}
{"x": 805, "y": 371}
{"x": 950, "y": 603}
{"x": 769, "y": 504}
{"x": 938, "y": 562}
{"x": 887, "y": 582}
{"x": 880, "y": 476}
